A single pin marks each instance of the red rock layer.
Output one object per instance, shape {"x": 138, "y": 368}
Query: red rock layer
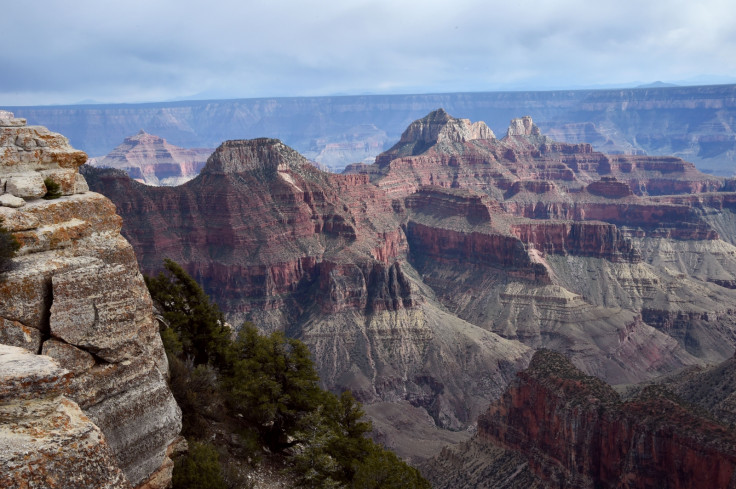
{"x": 576, "y": 432}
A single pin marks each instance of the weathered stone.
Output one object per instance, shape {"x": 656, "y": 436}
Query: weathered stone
{"x": 80, "y": 185}
{"x": 69, "y": 357}
{"x": 14, "y": 333}
{"x": 25, "y": 376}
{"x": 104, "y": 309}
{"x": 76, "y": 278}
{"x": 26, "y": 185}
{"x": 46, "y": 441}
{"x": 65, "y": 177}
{"x": 9, "y": 200}
{"x": 25, "y": 289}
{"x": 7, "y": 119}
{"x": 13, "y": 220}
{"x": 139, "y": 423}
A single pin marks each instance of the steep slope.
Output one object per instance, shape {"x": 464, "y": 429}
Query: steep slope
{"x": 694, "y": 123}
{"x": 74, "y": 293}
{"x": 565, "y": 429}
{"x": 153, "y": 161}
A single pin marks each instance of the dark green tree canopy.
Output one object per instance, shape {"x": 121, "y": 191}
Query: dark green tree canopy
{"x": 197, "y": 322}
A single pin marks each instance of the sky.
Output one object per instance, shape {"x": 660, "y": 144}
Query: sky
{"x": 125, "y": 51}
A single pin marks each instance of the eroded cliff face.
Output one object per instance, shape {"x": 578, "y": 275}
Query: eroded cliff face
{"x": 558, "y": 427}
{"x": 459, "y": 250}
{"x": 575, "y": 431}
{"x": 73, "y": 292}
{"x": 150, "y": 159}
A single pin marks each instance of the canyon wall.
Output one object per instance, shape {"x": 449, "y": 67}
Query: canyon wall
{"x": 569, "y": 430}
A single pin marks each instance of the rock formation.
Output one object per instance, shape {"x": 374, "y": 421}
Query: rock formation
{"x": 152, "y": 160}
{"x": 565, "y": 429}
{"x": 73, "y": 292}
{"x": 453, "y": 251}
{"x": 45, "y": 438}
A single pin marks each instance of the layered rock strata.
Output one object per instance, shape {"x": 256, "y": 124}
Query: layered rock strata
{"x": 46, "y": 440}
{"x": 152, "y": 160}
{"x": 561, "y": 428}
{"x": 74, "y": 292}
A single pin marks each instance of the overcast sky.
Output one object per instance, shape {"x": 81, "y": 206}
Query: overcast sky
{"x": 60, "y": 52}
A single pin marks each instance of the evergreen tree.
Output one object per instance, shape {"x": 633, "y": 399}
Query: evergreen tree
{"x": 199, "y": 325}
{"x": 272, "y": 382}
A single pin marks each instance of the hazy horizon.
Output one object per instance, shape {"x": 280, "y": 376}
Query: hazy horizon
{"x": 83, "y": 51}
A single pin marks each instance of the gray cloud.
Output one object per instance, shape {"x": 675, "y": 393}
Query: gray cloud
{"x": 62, "y": 52}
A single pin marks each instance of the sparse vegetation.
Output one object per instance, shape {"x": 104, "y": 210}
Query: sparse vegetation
{"x": 259, "y": 396}
{"x": 53, "y": 189}
{"x": 8, "y": 246}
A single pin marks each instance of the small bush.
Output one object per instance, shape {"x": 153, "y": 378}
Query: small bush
{"x": 8, "y": 246}
{"x": 53, "y": 189}
{"x": 200, "y": 469}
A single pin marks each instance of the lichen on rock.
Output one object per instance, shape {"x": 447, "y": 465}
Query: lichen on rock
{"x": 74, "y": 292}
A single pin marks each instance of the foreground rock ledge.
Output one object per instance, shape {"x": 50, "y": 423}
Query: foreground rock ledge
{"x": 74, "y": 292}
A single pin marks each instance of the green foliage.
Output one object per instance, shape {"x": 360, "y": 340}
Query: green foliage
{"x": 8, "y": 246}
{"x": 272, "y": 383}
{"x": 53, "y": 189}
{"x": 199, "y": 325}
{"x": 195, "y": 390}
{"x": 199, "y": 469}
{"x": 382, "y": 469}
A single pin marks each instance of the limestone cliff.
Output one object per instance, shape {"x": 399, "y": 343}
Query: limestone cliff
{"x": 74, "y": 293}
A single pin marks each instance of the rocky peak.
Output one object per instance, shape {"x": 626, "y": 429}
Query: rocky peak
{"x": 523, "y": 126}
{"x": 262, "y": 155}
{"x": 439, "y": 126}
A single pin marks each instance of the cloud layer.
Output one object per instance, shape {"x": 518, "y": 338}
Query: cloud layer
{"x": 68, "y": 51}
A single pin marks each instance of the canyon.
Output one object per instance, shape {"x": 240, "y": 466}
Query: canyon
{"x": 693, "y": 123}
{"x": 424, "y": 281}
{"x": 84, "y": 399}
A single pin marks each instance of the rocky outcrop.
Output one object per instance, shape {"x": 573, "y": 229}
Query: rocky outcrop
{"x": 436, "y": 128}
{"x": 46, "y": 440}
{"x": 74, "y": 292}
{"x": 574, "y": 431}
{"x": 152, "y": 160}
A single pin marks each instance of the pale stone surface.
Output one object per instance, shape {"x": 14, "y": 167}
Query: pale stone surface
{"x": 104, "y": 309}
{"x": 24, "y": 376}
{"x": 76, "y": 279}
{"x": 14, "y": 333}
{"x": 26, "y": 185}
{"x": 7, "y": 119}
{"x": 14, "y": 221}
{"x": 69, "y": 357}
{"x": 9, "y": 200}
{"x": 46, "y": 441}
{"x": 523, "y": 127}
